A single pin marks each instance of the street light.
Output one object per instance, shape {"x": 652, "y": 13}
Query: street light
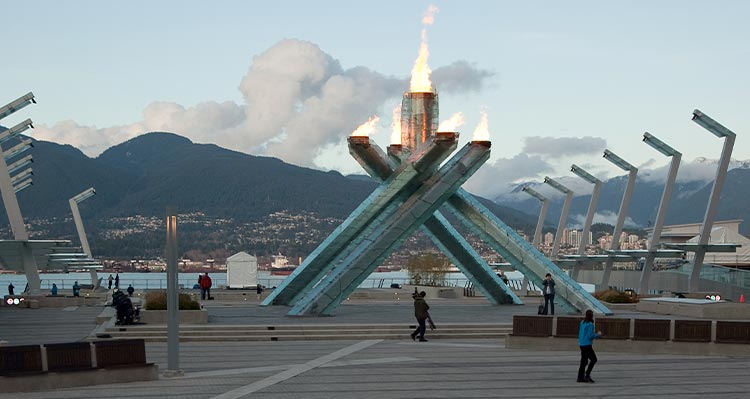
{"x": 17, "y": 104}
{"x": 538, "y": 230}
{"x": 563, "y": 216}
{"x": 615, "y": 245}
{"x": 578, "y": 171}
{"x": 719, "y": 131}
{"x": 661, "y": 213}
{"x": 88, "y": 193}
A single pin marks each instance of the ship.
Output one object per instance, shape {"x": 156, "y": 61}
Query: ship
{"x": 281, "y": 266}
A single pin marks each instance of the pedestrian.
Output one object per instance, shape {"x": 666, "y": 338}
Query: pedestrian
{"x": 548, "y": 289}
{"x": 205, "y": 283}
{"x": 76, "y": 289}
{"x": 421, "y": 313}
{"x": 503, "y": 277}
{"x": 53, "y": 291}
{"x": 586, "y": 337}
{"x": 131, "y": 290}
{"x": 117, "y": 280}
{"x": 109, "y": 287}
{"x": 259, "y": 290}
{"x": 10, "y": 289}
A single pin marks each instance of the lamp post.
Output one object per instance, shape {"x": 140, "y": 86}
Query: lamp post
{"x": 589, "y": 215}
{"x": 713, "y": 201}
{"x": 8, "y": 189}
{"x": 563, "y": 215}
{"x": 84, "y": 195}
{"x": 173, "y": 314}
{"x": 661, "y": 213}
{"x": 615, "y": 245}
{"x": 537, "y": 231}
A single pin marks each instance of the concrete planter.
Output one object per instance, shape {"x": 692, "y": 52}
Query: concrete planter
{"x": 186, "y": 316}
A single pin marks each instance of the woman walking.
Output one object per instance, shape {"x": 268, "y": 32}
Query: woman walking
{"x": 586, "y": 337}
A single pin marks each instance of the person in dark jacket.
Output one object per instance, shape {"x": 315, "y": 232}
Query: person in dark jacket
{"x": 586, "y": 337}
{"x": 420, "y": 312}
{"x": 10, "y": 289}
{"x": 130, "y": 290}
{"x": 205, "y": 283}
{"x": 548, "y": 289}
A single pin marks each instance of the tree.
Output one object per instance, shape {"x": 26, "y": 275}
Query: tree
{"x": 428, "y": 269}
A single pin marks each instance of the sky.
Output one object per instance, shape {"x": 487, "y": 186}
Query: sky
{"x": 559, "y": 81}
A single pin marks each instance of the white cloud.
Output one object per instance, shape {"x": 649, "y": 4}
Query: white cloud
{"x": 556, "y": 147}
{"x": 298, "y": 100}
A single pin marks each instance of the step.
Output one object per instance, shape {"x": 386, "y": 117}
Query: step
{"x": 314, "y": 337}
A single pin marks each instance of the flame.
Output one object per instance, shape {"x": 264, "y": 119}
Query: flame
{"x": 482, "y": 131}
{"x": 420, "y": 73}
{"x": 429, "y": 15}
{"x": 452, "y": 124}
{"x": 396, "y": 125}
{"x": 367, "y": 128}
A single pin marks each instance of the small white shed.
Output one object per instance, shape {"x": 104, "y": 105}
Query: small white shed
{"x": 242, "y": 271}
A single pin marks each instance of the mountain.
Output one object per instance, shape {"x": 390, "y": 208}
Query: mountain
{"x": 687, "y": 204}
{"x": 231, "y": 200}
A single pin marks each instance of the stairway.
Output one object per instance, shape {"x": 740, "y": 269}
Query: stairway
{"x": 314, "y": 332}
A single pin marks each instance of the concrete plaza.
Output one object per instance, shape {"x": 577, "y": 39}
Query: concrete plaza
{"x": 474, "y": 368}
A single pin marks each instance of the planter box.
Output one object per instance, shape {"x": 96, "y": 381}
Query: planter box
{"x": 186, "y": 316}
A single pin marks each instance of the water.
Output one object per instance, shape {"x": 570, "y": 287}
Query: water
{"x": 153, "y": 281}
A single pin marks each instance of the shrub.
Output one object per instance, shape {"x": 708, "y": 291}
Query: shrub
{"x": 614, "y": 296}
{"x": 158, "y": 301}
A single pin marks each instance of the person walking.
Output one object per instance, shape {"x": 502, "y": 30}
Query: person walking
{"x": 586, "y": 337}
{"x": 130, "y": 290}
{"x": 548, "y": 289}
{"x": 503, "y": 277}
{"x": 10, "y": 289}
{"x": 205, "y": 283}
{"x": 53, "y": 291}
{"x": 109, "y": 287}
{"x": 259, "y": 290}
{"x": 117, "y": 280}
{"x": 76, "y": 289}
{"x": 421, "y": 313}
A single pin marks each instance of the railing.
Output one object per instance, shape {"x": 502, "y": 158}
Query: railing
{"x": 720, "y": 274}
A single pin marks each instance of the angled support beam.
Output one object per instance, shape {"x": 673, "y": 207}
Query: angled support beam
{"x": 563, "y": 215}
{"x": 16, "y": 104}
{"x": 713, "y": 201}
{"x": 84, "y": 195}
{"x": 661, "y": 213}
{"x": 615, "y": 245}
{"x": 589, "y": 215}
{"x": 524, "y": 257}
{"x": 387, "y": 235}
{"x": 537, "y": 231}
{"x": 440, "y": 231}
{"x": 416, "y": 168}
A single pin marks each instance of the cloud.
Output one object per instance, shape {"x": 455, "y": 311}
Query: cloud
{"x": 607, "y": 217}
{"x": 492, "y": 180}
{"x": 297, "y": 100}
{"x": 460, "y": 76}
{"x": 557, "y": 147}
{"x": 700, "y": 169}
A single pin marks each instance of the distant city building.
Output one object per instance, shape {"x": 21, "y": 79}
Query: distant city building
{"x": 549, "y": 239}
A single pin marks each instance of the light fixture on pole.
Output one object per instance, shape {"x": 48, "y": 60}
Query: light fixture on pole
{"x": 563, "y": 215}
{"x": 590, "y": 214}
{"x": 86, "y": 194}
{"x": 615, "y": 244}
{"x": 713, "y": 201}
{"x": 661, "y": 213}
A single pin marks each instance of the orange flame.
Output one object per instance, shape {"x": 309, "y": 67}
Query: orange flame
{"x": 452, "y": 124}
{"x": 482, "y": 132}
{"x": 420, "y": 73}
{"x": 367, "y": 128}
{"x": 396, "y": 126}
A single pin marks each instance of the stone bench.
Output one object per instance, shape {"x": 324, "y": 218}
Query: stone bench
{"x": 709, "y": 337}
{"x": 50, "y": 366}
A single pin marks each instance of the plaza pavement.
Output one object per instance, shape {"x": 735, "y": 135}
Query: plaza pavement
{"x": 386, "y": 368}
